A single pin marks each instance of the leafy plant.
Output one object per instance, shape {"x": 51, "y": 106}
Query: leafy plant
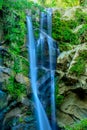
{"x": 70, "y": 3}
{"x": 80, "y": 16}
{"x": 62, "y": 31}
{"x": 1, "y": 2}
{"x": 81, "y": 125}
{"x": 59, "y": 98}
{"x": 16, "y": 90}
{"x": 79, "y": 67}
{"x": 82, "y": 34}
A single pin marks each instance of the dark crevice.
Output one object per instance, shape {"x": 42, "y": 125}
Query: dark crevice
{"x": 80, "y": 93}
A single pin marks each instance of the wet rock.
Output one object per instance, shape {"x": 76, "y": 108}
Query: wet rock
{"x": 75, "y": 105}
{"x": 73, "y": 108}
{"x": 64, "y": 60}
{"x": 64, "y": 119}
{"x": 17, "y": 119}
{"x": 26, "y": 102}
{"x": 3, "y": 100}
{"x": 5, "y": 70}
{"x": 22, "y": 79}
{"x": 13, "y": 113}
{"x": 24, "y": 127}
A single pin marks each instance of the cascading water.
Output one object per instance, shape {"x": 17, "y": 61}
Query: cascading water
{"x": 42, "y": 57}
{"x": 49, "y": 21}
{"x": 52, "y": 73}
{"x": 41, "y": 115}
{"x": 52, "y": 67}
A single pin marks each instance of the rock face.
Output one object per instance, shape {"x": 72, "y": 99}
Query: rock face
{"x": 72, "y": 71}
{"x": 70, "y": 32}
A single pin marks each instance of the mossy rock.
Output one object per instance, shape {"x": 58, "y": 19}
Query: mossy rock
{"x": 79, "y": 66}
{"x": 64, "y": 31}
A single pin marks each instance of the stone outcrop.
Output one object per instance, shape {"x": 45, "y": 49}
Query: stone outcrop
{"x": 72, "y": 85}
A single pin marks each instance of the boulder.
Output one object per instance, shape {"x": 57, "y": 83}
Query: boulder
{"x": 22, "y": 79}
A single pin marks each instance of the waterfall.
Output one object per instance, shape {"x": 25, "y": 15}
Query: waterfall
{"x": 52, "y": 68}
{"x": 52, "y": 73}
{"x": 49, "y": 21}
{"x": 41, "y": 115}
{"x": 42, "y": 57}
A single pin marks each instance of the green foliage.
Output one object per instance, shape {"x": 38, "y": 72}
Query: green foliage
{"x": 16, "y": 90}
{"x": 80, "y": 16}
{"x": 14, "y": 14}
{"x": 65, "y": 47}
{"x": 82, "y": 34}
{"x": 58, "y": 98}
{"x": 79, "y": 67}
{"x": 62, "y": 31}
{"x": 59, "y": 3}
{"x": 83, "y": 3}
{"x": 21, "y": 119}
{"x": 71, "y": 3}
{"x": 81, "y": 125}
{"x": 17, "y": 65}
{"x": 1, "y": 2}
{"x": 48, "y": 3}
{"x": 14, "y": 21}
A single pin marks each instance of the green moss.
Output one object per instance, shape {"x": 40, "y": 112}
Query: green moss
{"x": 79, "y": 67}
{"x": 65, "y": 47}
{"x": 81, "y": 125}
{"x": 19, "y": 65}
{"x": 62, "y": 30}
{"x": 59, "y": 98}
{"x": 82, "y": 34}
{"x": 80, "y": 16}
{"x": 15, "y": 89}
{"x": 14, "y": 16}
{"x": 21, "y": 119}
{"x": 25, "y": 66}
